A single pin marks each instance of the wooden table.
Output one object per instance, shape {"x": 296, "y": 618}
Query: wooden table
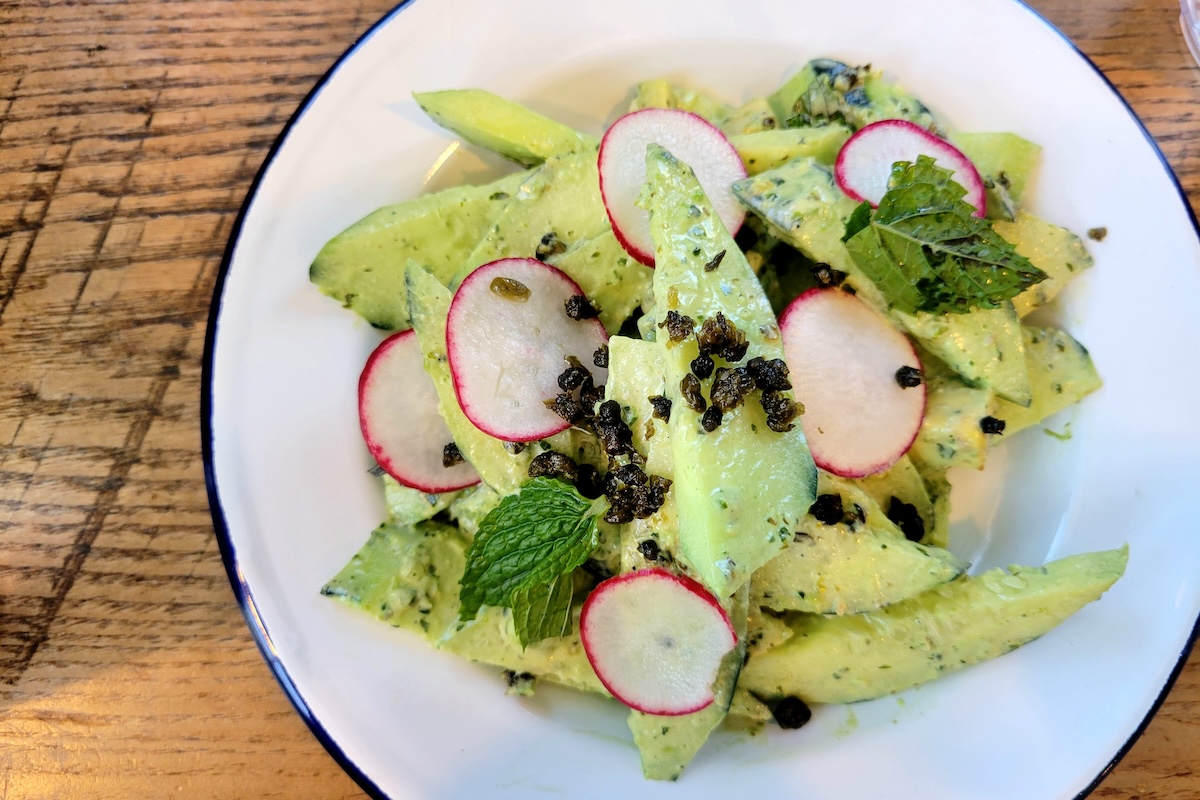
{"x": 129, "y": 133}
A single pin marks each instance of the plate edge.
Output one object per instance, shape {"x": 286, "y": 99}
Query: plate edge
{"x": 241, "y": 589}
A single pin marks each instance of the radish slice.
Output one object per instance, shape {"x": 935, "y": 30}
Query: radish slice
{"x": 508, "y": 336}
{"x": 692, "y": 140}
{"x": 845, "y": 362}
{"x": 398, "y": 414}
{"x": 656, "y": 641}
{"x": 865, "y": 161}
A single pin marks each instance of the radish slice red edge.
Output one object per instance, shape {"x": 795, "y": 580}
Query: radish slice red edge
{"x": 844, "y": 358}
{"x": 508, "y": 337}
{"x": 398, "y": 415}
{"x": 690, "y": 138}
{"x": 865, "y": 161}
{"x": 656, "y": 640}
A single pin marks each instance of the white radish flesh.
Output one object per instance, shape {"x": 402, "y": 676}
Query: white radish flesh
{"x": 692, "y": 140}
{"x": 656, "y": 641}
{"x": 865, "y": 161}
{"x": 398, "y": 414}
{"x": 508, "y": 337}
{"x": 844, "y": 360}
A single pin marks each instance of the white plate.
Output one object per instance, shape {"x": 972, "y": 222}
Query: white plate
{"x": 292, "y": 500}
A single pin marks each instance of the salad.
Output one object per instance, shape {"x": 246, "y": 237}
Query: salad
{"x": 669, "y": 416}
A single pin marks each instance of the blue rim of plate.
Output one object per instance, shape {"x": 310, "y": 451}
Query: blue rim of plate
{"x": 229, "y": 555}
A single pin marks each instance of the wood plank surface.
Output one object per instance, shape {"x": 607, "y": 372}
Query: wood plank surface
{"x": 129, "y": 133}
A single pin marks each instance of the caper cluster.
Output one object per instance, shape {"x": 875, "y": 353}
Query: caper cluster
{"x": 631, "y": 493}
{"x": 730, "y": 385}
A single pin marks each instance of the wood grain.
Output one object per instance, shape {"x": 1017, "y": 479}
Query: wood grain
{"x": 129, "y": 133}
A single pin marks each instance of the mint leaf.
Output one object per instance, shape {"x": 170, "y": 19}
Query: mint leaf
{"x": 926, "y": 250}
{"x": 859, "y": 219}
{"x": 544, "y": 610}
{"x": 527, "y": 541}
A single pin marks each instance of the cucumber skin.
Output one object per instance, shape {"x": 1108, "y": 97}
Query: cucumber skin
{"x": 847, "y": 659}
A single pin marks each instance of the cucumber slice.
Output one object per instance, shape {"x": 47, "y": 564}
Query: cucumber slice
{"x": 773, "y": 148}
{"x": 405, "y": 575}
{"x": 500, "y": 125}
{"x": 847, "y": 659}
{"x": 553, "y": 209}
{"x": 662, "y": 93}
{"x": 363, "y": 266}
{"x": 1054, "y": 250}
{"x": 1061, "y": 373}
{"x": 742, "y": 488}
{"x": 429, "y": 304}
{"x": 851, "y": 565}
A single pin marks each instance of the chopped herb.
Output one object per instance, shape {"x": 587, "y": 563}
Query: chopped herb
{"x": 1063, "y": 436}
{"x": 908, "y": 377}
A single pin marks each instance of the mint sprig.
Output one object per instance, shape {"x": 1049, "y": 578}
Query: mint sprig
{"x": 925, "y": 250}
{"x": 523, "y": 555}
